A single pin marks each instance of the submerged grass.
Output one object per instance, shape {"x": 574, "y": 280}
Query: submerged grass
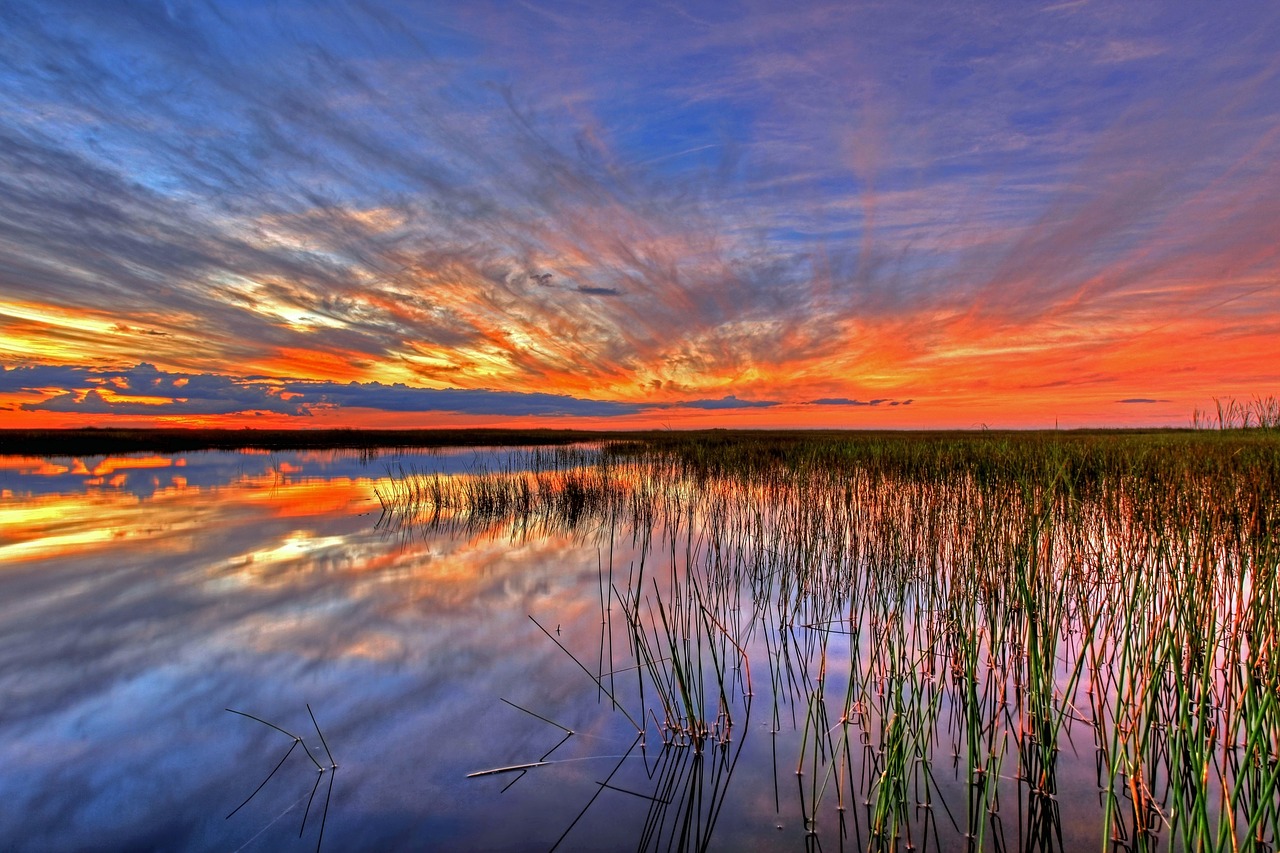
{"x": 944, "y": 620}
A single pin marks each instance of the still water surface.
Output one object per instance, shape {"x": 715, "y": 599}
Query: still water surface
{"x": 143, "y": 596}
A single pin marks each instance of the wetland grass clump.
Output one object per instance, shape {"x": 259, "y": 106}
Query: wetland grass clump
{"x": 554, "y": 488}
{"x": 945, "y": 624}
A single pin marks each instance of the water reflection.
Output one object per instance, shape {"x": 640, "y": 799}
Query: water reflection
{"x": 1007, "y": 619}
{"x": 129, "y": 619}
{"x": 144, "y": 474}
{"x": 641, "y": 655}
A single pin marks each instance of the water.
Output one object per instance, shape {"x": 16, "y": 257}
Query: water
{"x": 143, "y": 596}
{"x": 140, "y": 597}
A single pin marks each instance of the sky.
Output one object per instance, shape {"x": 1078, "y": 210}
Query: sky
{"x": 637, "y": 215}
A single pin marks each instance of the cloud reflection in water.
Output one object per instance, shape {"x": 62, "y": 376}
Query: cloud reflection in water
{"x": 128, "y": 622}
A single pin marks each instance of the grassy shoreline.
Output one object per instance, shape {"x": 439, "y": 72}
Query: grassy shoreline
{"x": 93, "y": 441}
{"x": 961, "y": 619}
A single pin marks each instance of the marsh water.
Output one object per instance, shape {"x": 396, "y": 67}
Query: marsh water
{"x": 645, "y": 658}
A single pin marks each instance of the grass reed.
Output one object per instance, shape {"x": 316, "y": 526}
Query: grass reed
{"x": 999, "y": 601}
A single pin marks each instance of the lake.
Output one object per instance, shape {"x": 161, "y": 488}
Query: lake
{"x": 671, "y": 648}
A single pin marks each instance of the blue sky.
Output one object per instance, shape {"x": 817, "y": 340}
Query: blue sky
{"x": 1004, "y": 212}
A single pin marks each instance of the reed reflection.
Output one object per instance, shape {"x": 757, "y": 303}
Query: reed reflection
{"x": 128, "y": 622}
{"x": 991, "y": 644}
{"x": 1011, "y": 616}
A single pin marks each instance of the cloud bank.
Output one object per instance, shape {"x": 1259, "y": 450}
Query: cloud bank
{"x": 145, "y": 390}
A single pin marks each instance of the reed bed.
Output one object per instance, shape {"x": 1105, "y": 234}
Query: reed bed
{"x": 937, "y": 624}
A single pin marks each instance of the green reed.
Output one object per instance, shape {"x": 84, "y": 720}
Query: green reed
{"x": 1007, "y": 601}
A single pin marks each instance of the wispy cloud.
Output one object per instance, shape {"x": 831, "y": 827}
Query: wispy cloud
{"x": 647, "y": 206}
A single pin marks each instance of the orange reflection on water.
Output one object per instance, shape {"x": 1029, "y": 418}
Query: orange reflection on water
{"x": 112, "y": 464}
{"x": 32, "y": 465}
{"x": 75, "y": 524}
{"x": 290, "y": 499}
{"x": 268, "y": 534}
{"x": 58, "y": 525}
{"x": 108, "y": 466}
{"x": 296, "y": 546}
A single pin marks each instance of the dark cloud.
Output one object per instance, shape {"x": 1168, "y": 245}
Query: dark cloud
{"x": 727, "y": 402}
{"x": 402, "y": 398}
{"x": 154, "y": 392}
{"x": 841, "y": 401}
{"x": 846, "y": 401}
{"x": 1141, "y": 400}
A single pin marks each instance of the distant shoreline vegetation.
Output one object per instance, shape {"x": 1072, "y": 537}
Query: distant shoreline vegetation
{"x": 94, "y": 440}
{"x": 110, "y": 439}
{"x": 107, "y": 440}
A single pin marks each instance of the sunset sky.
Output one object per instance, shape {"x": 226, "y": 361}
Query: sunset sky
{"x": 612, "y": 215}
